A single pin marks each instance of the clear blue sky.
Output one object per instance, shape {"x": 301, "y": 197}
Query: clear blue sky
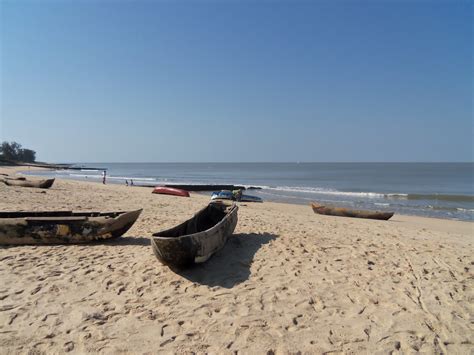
{"x": 91, "y": 81}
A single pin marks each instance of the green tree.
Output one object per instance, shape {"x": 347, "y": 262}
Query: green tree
{"x": 14, "y": 152}
{"x": 27, "y": 155}
{"x": 9, "y": 150}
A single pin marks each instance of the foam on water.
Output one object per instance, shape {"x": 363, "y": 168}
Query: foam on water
{"x": 438, "y": 190}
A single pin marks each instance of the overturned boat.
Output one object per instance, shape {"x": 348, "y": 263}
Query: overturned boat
{"x": 41, "y": 184}
{"x": 63, "y": 227}
{"x": 170, "y": 191}
{"x": 345, "y": 212}
{"x": 195, "y": 240}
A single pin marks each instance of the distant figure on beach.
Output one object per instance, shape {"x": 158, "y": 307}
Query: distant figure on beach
{"x": 131, "y": 182}
{"x": 104, "y": 175}
{"x": 237, "y": 194}
{"x": 126, "y": 182}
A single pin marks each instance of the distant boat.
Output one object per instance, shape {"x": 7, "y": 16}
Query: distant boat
{"x": 196, "y": 187}
{"x": 228, "y": 195}
{"x": 345, "y": 212}
{"x": 222, "y": 195}
{"x": 63, "y": 227}
{"x": 170, "y": 191}
{"x": 249, "y": 198}
{"x": 195, "y": 240}
{"x": 8, "y": 177}
{"x": 41, "y": 184}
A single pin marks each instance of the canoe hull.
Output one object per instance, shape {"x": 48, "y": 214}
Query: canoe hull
{"x": 26, "y": 228}
{"x": 170, "y": 191}
{"x": 345, "y": 212}
{"x": 40, "y": 184}
{"x": 198, "y": 238}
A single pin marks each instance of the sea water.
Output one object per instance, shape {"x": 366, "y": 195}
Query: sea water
{"x": 443, "y": 190}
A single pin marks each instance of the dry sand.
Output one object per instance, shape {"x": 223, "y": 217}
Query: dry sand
{"x": 287, "y": 281}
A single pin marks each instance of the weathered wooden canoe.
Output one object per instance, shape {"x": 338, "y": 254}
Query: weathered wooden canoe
{"x": 63, "y": 227}
{"x": 345, "y": 212}
{"x": 8, "y": 177}
{"x": 42, "y": 184}
{"x": 195, "y": 240}
{"x": 229, "y": 195}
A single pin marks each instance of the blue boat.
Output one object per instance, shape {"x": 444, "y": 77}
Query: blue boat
{"x": 228, "y": 195}
{"x": 222, "y": 195}
{"x": 248, "y": 198}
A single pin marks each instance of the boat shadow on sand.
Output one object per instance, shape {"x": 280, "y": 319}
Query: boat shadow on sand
{"x": 231, "y": 265}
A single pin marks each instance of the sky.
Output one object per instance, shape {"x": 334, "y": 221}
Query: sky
{"x": 238, "y": 81}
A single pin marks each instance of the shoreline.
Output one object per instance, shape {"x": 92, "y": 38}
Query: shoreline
{"x": 19, "y": 169}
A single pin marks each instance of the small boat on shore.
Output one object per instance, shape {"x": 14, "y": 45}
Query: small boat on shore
{"x": 249, "y": 198}
{"x": 170, "y": 191}
{"x": 201, "y": 187}
{"x": 41, "y": 184}
{"x": 63, "y": 227}
{"x": 198, "y": 238}
{"x": 345, "y": 212}
{"x": 222, "y": 195}
{"x": 9, "y": 177}
{"x": 228, "y": 195}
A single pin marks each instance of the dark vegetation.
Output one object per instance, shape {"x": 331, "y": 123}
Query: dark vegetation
{"x": 14, "y": 152}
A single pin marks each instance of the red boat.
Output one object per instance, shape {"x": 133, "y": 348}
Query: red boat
{"x": 170, "y": 191}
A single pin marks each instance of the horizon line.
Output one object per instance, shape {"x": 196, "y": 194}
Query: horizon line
{"x": 264, "y": 162}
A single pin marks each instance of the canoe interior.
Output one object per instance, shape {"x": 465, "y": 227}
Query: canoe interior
{"x": 52, "y": 214}
{"x": 202, "y": 221}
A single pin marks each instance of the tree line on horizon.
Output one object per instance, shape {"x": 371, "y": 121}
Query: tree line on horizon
{"x": 13, "y": 151}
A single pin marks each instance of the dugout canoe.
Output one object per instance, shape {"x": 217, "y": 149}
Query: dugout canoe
{"x": 345, "y": 212}
{"x": 63, "y": 227}
{"x": 8, "y": 177}
{"x": 198, "y": 238}
{"x": 170, "y": 191}
{"x": 41, "y": 184}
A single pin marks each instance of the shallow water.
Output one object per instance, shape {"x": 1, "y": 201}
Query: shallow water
{"x": 428, "y": 189}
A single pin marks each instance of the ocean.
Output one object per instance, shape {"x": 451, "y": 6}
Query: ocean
{"x": 444, "y": 190}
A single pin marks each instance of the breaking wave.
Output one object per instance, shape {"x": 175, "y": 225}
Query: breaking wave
{"x": 111, "y": 177}
{"x": 319, "y": 190}
{"x": 434, "y": 197}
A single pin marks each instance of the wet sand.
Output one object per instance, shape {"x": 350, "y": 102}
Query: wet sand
{"x": 287, "y": 281}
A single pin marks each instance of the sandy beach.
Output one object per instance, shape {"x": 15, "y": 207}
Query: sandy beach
{"x": 287, "y": 281}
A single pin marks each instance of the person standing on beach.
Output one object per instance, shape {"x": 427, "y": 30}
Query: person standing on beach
{"x": 104, "y": 174}
{"x": 237, "y": 194}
